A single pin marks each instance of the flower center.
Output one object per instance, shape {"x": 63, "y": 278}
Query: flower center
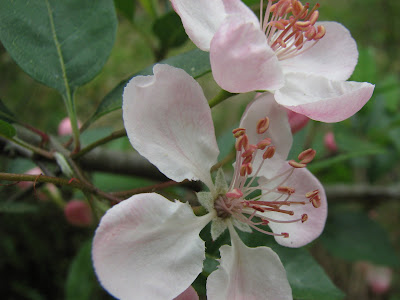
{"x": 251, "y": 204}
{"x": 289, "y": 27}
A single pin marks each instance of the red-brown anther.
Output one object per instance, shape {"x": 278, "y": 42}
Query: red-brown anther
{"x": 316, "y": 201}
{"x": 314, "y": 17}
{"x": 250, "y": 150}
{"x": 286, "y": 189}
{"x": 304, "y": 218}
{"x": 312, "y": 193}
{"x": 285, "y": 234}
{"x": 269, "y": 153}
{"x": 302, "y": 25}
{"x": 299, "y": 42}
{"x": 246, "y": 169}
{"x": 278, "y": 25}
{"x": 262, "y": 125}
{"x": 242, "y": 143}
{"x": 238, "y": 132}
{"x": 248, "y": 159}
{"x": 264, "y": 143}
{"x": 296, "y": 164}
{"x": 265, "y": 222}
{"x": 307, "y": 156}
{"x": 249, "y": 168}
{"x": 321, "y": 32}
{"x": 310, "y": 33}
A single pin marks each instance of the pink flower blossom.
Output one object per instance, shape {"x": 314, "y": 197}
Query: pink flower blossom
{"x": 297, "y": 121}
{"x": 65, "y": 128}
{"x": 147, "y": 238}
{"x": 285, "y": 50}
{"x": 329, "y": 142}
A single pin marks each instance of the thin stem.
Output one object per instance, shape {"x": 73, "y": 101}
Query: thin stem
{"x": 32, "y": 148}
{"x": 74, "y": 183}
{"x": 221, "y": 96}
{"x": 115, "y": 135}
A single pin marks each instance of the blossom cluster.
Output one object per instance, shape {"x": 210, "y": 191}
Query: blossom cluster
{"x": 148, "y": 247}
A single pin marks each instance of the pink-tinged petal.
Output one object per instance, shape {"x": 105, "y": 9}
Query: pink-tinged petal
{"x": 168, "y": 121}
{"x": 248, "y": 274}
{"x": 202, "y": 18}
{"x": 241, "y": 59}
{"x": 300, "y": 233}
{"x": 297, "y": 121}
{"x": 279, "y": 131}
{"x": 147, "y": 247}
{"x": 322, "y": 99}
{"x": 334, "y": 56}
{"x": 329, "y": 142}
{"x": 188, "y": 294}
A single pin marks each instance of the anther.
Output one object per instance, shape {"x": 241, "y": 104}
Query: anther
{"x": 264, "y": 143}
{"x": 269, "y": 153}
{"x": 249, "y": 151}
{"x": 316, "y": 201}
{"x": 242, "y": 142}
{"x": 262, "y": 125}
{"x": 296, "y": 164}
{"x": 312, "y": 193}
{"x": 286, "y": 189}
{"x": 307, "y": 156}
{"x": 304, "y": 218}
{"x": 238, "y": 132}
{"x": 285, "y": 234}
{"x": 321, "y": 32}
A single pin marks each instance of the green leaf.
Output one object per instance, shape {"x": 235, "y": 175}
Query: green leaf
{"x": 170, "y": 31}
{"x": 81, "y": 280}
{"x": 353, "y": 236}
{"x": 62, "y": 44}
{"x": 306, "y": 277}
{"x": 196, "y": 63}
{"x": 127, "y": 8}
{"x": 7, "y": 130}
{"x": 17, "y": 208}
{"x": 149, "y": 7}
{"x": 5, "y": 113}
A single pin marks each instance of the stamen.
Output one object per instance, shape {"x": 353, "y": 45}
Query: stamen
{"x": 235, "y": 194}
{"x": 269, "y": 153}
{"x": 286, "y": 190}
{"x": 242, "y": 142}
{"x": 296, "y": 164}
{"x": 307, "y": 156}
{"x": 262, "y": 125}
{"x": 238, "y": 132}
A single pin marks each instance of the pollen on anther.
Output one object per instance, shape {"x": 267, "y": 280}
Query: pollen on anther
{"x": 269, "y": 153}
{"x": 316, "y": 201}
{"x": 307, "y": 156}
{"x": 285, "y": 234}
{"x": 304, "y": 218}
{"x": 296, "y": 164}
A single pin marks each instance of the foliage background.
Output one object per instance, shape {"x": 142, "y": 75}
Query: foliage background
{"x": 44, "y": 257}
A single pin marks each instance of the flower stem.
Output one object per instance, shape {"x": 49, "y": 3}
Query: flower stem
{"x": 115, "y": 135}
{"x": 221, "y": 96}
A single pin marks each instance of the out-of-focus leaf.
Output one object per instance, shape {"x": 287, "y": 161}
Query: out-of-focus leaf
{"x": 62, "y": 44}
{"x": 353, "y": 236}
{"x": 6, "y": 129}
{"x": 17, "y": 208}
{"x": 126, "y": 7}
{"x": 5, "y": 113}
{"x": 149, "y": 7}
{"x": 81, "y": 279}
{"x": 328, "y": 162}
{"x": 366, "y": 67}
{"x": 196, "y": 63}
{"x": 113, "y": 182}
{"x": 170, "y": 31}
{"x": 306, "y": 277}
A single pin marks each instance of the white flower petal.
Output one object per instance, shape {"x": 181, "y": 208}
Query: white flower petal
{"x": 279, "y": 131}
{"x": 300, "y": 234}
{"x": 241, "y": 59}
{"x": 147, "y": 247}
{"x": 202, "y": 18}
{"x": 322, "y": 99}
{"x": 334, "y": 56}
{"x": 168, "y": 121}
{"x": 248, "y": 274}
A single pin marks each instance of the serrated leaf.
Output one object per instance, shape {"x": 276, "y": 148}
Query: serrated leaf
{"x": 7, "y": 130}
{"x": 170, "y": 31}
{"x": 353, "y": 236}
{"x": 81, "y": 279}
{"x": 62, "y": 44}
{"x": 17, "y": 208}
{"x": 196, "y": 63}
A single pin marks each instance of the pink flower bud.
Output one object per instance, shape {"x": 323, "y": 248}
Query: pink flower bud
{"x": 78, "y": 213}
{"x": 65, "y": 128}
{"x": 329, "y": 142}
{"x": 26, "y": 184}
{"x": 188, "y": 294}
{"x": 296, "y": 121}
{"x": 379, "y": 278}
